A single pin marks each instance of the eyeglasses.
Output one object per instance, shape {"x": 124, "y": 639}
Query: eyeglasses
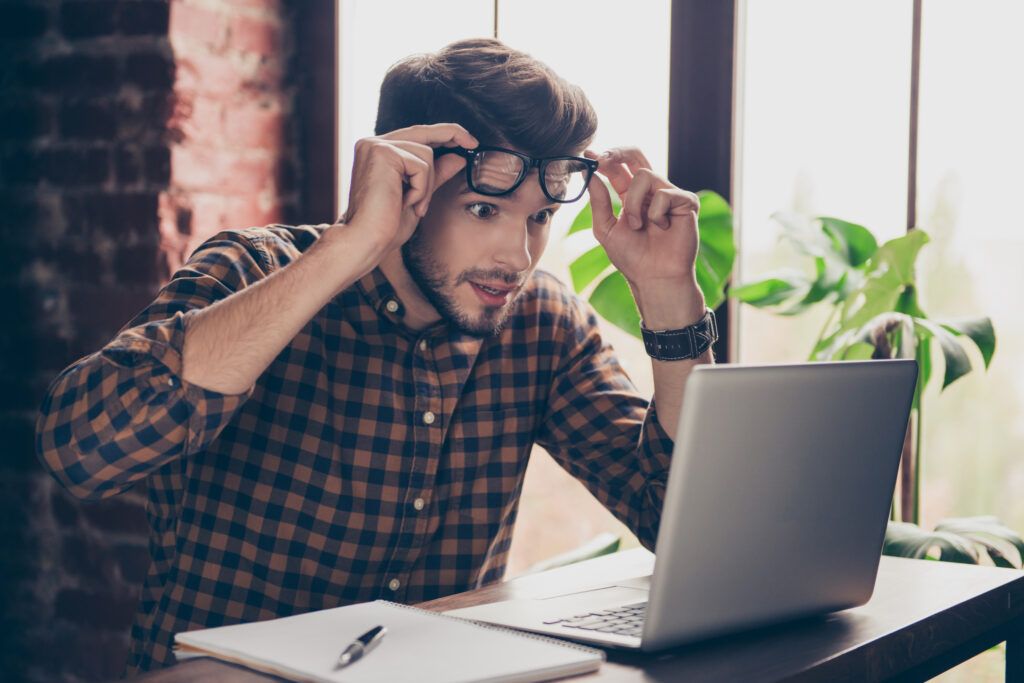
{"x": 496, "y": 171}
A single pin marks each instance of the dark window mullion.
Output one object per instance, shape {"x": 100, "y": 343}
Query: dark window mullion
{"x": 700, "y": 110}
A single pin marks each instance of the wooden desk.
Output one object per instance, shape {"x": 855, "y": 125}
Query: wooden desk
{"x": 925, "y": 617}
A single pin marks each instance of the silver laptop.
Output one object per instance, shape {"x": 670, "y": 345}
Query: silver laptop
{"x": 775, "y": 509}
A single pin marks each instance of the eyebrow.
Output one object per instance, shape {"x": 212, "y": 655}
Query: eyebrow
{"x": 466, "y": 190}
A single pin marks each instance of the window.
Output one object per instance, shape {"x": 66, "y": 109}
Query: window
{"x": 824, "y": 131}
{"x": 969, "y": 179}
{"x": 828, "y": 135}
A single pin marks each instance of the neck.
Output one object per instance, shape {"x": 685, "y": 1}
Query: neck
{"x": 419, "y": 313}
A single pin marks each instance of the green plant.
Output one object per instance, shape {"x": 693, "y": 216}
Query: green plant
{"x": 872, "y": 292}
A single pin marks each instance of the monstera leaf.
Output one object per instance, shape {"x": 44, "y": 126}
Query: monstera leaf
{"x": 963, "y": 539}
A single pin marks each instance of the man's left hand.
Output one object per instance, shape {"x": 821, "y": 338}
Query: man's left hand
{"x": 654, "y": 240}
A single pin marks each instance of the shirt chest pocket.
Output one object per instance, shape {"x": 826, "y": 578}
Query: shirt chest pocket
{"x": 485, "y": 455}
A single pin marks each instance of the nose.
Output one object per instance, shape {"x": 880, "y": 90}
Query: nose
{"x": 512, "y": 253}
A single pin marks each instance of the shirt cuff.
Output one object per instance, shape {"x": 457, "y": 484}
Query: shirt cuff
{"x": 154, "y": 351}
{"x": 655, "y": 445}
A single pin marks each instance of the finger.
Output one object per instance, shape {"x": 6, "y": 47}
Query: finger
{"x": 616, "y": 173}
{"x": 426, "y": 154}
{"x": 670, "y": 202}
{"x": 636, "y": 198}
{"x": 601, "y": 208}
{"x": 446, "y": 168}
{"x": 416, "y": 173}
{"x": 632, "y": 157}
{"x": 435, "y": 135}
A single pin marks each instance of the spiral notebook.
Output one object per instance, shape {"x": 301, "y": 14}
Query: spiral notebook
{"x": 420, "y": 646}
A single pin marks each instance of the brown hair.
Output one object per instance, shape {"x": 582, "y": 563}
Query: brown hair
{"x": 500, "y": 95}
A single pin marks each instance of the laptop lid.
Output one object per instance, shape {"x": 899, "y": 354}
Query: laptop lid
{"x": 778, "y": 495}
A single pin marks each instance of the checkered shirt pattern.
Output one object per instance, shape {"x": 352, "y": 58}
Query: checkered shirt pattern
{"x": 368, "y": 461}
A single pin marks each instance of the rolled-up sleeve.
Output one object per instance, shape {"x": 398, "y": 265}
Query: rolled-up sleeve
{"x": 599, "y": 428}
{"x": 116, "y": 415}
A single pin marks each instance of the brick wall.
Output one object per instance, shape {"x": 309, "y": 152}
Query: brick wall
{"x": 129, "y": 131}
{"x": 233, "y": 158}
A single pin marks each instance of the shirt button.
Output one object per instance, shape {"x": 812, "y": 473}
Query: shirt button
{"x": 423, "y": 345}
{"x": 428, "y": 418}
{"x": 392, "y": 306}
{"x": 170, "y": 381}
{"x": 394, "y": 584}
{"x": 418, "y": 504}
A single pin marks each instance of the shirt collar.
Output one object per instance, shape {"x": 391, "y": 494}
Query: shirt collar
{"x": 382, "y": 297}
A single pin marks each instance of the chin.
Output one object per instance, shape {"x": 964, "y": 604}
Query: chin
{"x": 480, "y": 321}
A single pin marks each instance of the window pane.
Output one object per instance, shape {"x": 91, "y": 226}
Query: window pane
{"x": 371, "y": 40}
{"x": 970, "y": 180}
{"x": 824, "y": 95}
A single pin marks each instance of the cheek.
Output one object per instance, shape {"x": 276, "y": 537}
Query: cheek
{"x": 537, "y": 242}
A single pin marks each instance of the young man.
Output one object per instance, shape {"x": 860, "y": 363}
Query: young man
{"x": 333, "y": 414}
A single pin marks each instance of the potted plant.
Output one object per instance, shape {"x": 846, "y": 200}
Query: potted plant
{"x": 874, "y": 313}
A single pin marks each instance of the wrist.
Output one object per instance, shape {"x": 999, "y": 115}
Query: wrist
{"x": 341, "y": 256}
{"x": 669, "y": 304}
{"x": 348, "y": 241}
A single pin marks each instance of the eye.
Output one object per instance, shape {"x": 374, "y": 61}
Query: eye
{"x": 482, "y": 210}
{"x": 543, "y": 217}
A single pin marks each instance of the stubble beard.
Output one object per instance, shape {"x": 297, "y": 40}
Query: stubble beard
{"x": 432, "y": 278}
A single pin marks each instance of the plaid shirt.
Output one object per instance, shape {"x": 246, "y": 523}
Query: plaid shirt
{"x": 368, "y": 461}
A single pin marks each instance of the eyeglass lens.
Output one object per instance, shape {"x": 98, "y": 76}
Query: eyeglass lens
{"x": 495, "y": 171}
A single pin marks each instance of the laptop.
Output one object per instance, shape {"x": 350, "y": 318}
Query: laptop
{"x": 775, "y": 509}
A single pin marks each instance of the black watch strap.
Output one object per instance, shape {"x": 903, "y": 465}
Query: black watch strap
{"x": 684, "y": 343}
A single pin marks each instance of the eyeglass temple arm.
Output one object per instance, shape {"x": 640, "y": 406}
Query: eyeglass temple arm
{"x": 441, "y": 151}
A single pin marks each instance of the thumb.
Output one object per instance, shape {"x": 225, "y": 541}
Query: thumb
{"x": 601, "y": 206}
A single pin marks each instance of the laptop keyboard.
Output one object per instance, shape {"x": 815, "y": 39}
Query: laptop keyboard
{"x": 627, "y": 620}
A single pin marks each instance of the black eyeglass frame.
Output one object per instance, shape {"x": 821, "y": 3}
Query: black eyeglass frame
{"x": 529, "y": 163}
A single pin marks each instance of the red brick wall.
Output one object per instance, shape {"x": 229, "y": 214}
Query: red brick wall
{"x": 233, "y": 155}
{"x": 129, "y": 131}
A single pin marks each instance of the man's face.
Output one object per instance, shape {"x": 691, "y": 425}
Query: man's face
{"x": 472, "y": 254}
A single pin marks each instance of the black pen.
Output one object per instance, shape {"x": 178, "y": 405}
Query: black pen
{"x": 361, "y": 646}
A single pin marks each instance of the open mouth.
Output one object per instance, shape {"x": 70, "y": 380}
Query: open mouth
{"x": 492, "y": 296}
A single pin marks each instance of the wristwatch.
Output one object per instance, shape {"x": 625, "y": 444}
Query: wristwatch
{"x": 684, "y": 343}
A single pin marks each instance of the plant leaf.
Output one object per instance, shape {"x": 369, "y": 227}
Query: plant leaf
{"x": 924, "y": 368}
{"x": 903, "y": 539}
{"x": 980, "y": 331}
{"x": 887, "y": 275}
{"x": 716, "y": 252}
{"x": 907, "y": 303}
{"x": 773, "y": 289}
{"x": 858, "y": 351}
{"x": 956, "y": 360}
{"x": 585, "y": 218}
{"x": 613, "y": 299}
{"x": 588, "y": 266}
{"x": 901, "y": 253}
{"x": 829, "y": 280}
{"x": 983, "y": 529}
{"x": 854, "y": 243}
{"x": 805, "y": 234}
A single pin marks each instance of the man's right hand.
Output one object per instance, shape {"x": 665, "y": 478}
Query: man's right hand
{"x": 393, "y": 178}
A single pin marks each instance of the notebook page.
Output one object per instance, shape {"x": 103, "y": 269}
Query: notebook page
{"x": 419, "y": 646}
